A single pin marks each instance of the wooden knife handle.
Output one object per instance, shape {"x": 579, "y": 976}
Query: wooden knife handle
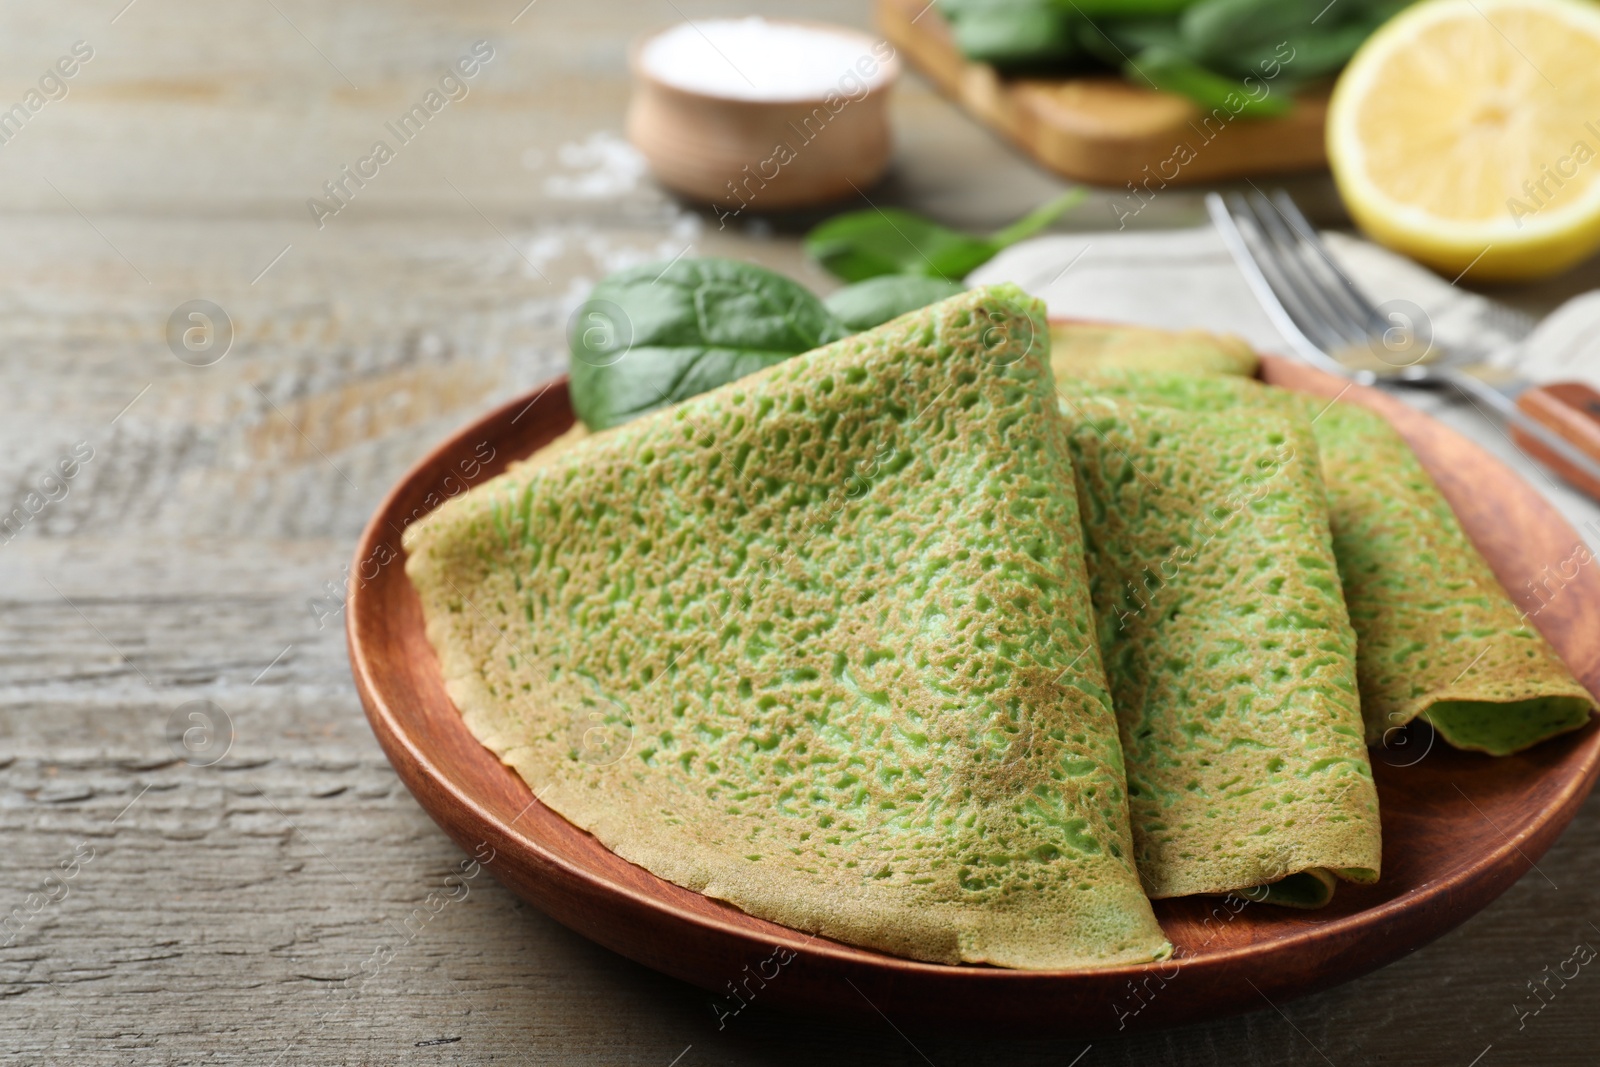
{"x": 1572, "y": 411}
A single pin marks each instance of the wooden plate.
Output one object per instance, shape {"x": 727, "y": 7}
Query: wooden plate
{"x": 1105, "y": 129}
{"x": 1458, "y": 828}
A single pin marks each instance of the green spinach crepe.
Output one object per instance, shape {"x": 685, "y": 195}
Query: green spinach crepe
{"x": 1230, "y": 656}
{"x": 817, "y": 643}
{"x": 1437, "y": 635}
{"x": 1080, "y": 348}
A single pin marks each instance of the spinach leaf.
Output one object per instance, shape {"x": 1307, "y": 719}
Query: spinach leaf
{"x": 1128, "y": 10}
{"x": 653, "y": 335}
{"x": 1171, "y": 71}
{"x": 864, "y": 244}
{"x": 1215, "y": 30}
{"x": 1320, "y": 52}
{"x": 1015, "y": 33}
{"x": 1214, "y": 52}
{"x": 877, "y": 300}
{"x": 1112, "y": 43}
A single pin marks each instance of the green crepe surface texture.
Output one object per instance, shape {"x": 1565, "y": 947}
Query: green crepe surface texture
{"x": 1230, "y": 656}
{"x": 818, "y": 643}
{"x": 1437, "y": 635}
{"x": 1078, "y": 349}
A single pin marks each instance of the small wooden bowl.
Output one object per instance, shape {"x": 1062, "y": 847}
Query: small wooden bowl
{"x": 763, "y": 155}
{"x": 1458, "y": 827}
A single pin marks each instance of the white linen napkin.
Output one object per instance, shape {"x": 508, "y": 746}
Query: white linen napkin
{"x": 1185, "y": 278}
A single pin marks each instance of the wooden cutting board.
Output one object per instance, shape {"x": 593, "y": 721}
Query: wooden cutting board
{"x": 1103, "y": 129}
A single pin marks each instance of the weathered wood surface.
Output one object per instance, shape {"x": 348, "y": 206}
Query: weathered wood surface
{"x": 290, "y": 903}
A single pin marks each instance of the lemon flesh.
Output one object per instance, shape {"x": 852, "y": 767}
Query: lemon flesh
{"x": 1466, "y": 134}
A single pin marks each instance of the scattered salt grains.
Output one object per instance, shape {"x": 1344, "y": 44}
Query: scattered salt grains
{"x": 754, "y": 59}
{"x": 601, "y": 167}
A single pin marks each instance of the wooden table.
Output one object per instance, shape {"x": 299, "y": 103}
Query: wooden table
{"x": 280, "y": 898}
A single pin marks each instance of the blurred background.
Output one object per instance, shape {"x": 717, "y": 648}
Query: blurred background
{"x": 226, "y": 891}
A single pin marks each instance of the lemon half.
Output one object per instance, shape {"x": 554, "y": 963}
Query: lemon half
{"x": 1466, "y": 133}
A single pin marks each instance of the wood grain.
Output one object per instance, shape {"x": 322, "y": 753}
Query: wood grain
{"x": 1459, "y": 828}
{"x": 1105, "y": 129}
{"x": 1572, "y": 410}
{"x": 226, "y": 914}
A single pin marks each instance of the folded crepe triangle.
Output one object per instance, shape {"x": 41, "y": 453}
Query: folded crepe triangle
{"x": 1231, "y": 658}
{"x": 1438, "y": 637}
{"x": 818, "y": 643}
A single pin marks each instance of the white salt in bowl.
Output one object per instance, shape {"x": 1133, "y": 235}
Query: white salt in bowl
{"x": 755, "y": 115}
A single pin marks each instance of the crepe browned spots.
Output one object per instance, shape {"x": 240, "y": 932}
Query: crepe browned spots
{"x": 818, "y": 643}
{"x": 1437, "y": 635}
{"x": 1230, "y": 656}
{"x": 1080, "y": 348}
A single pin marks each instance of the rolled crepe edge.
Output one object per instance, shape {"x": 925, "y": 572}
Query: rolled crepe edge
{"x": 1508, "y": 732}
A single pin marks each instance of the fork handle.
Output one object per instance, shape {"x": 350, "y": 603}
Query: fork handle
{"x": 1570, "y": 410}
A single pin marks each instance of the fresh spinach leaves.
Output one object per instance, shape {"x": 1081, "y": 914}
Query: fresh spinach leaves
{"x": 864, "y": 244}
{"x": 1016, "y": 33}
{"x": 1218, "y": 53}
{"x": 877, "y": 300}
{"x": 1171, "y": 71}
{"x": 653, "y": 335}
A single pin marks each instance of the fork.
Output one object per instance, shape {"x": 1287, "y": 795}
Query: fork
{"x": 1333, "y": 326}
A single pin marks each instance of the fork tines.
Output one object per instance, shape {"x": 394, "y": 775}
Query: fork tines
{"x": 1313, "y": 303}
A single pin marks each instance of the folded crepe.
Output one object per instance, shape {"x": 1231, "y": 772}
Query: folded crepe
{"x": 817, "y": 643}
{"x": 1229, "y": 652}
{"x": 1079, "y": 348}
{"x": 1437, "y": 635}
